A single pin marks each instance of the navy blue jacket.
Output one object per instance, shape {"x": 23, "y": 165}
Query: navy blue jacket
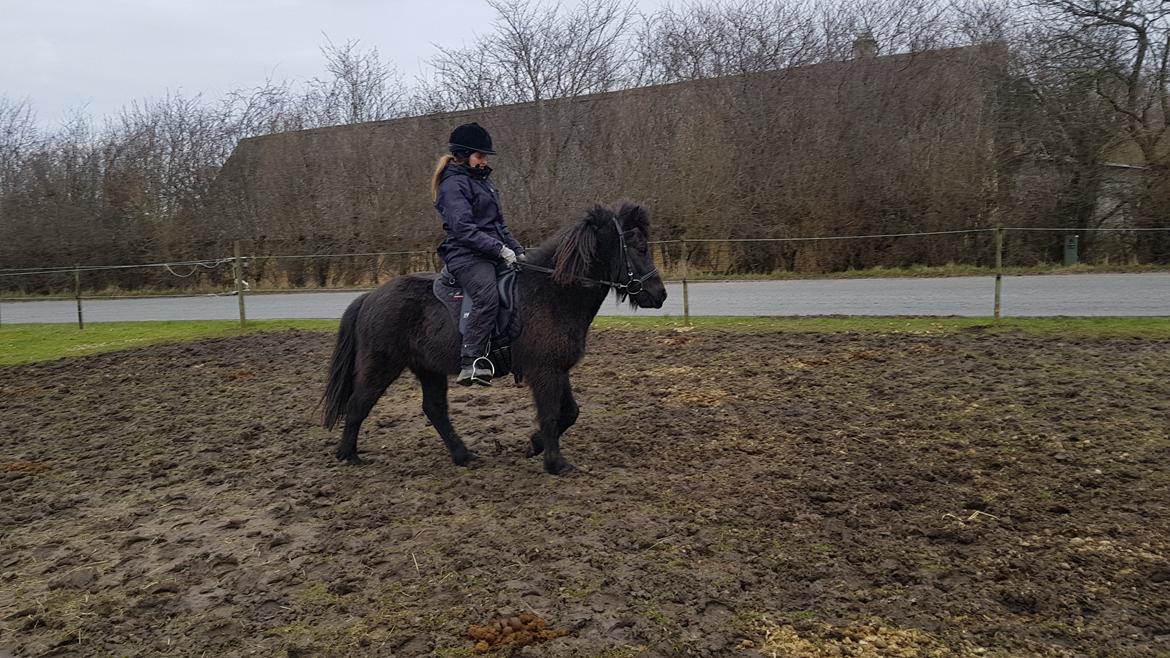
{"x": 470, "y": 207}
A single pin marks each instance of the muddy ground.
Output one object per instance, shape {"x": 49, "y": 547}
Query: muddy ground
{"x": 775, "y": 495}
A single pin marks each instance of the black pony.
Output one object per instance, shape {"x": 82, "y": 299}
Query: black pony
{"x": 562, "y": 285}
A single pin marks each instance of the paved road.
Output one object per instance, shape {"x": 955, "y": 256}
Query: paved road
{"x": 1082, "y": 294}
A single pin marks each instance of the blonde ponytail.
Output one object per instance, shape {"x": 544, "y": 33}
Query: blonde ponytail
{"x": 438, "y": 175}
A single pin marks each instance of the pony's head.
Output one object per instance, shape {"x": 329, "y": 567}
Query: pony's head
{"x": 613, "y": 246}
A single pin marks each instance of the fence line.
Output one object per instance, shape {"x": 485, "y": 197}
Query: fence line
{"x": 1084, "y": 230}
{"x": 238, "y": 261}
{"x": 206, "y": 264}
{"x": 827, "y": 237}
{"x": 210, "y": 263}
{"x": 367, "y": 255}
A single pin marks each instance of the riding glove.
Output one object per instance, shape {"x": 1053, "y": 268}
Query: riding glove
{"x": 507, "y": 254}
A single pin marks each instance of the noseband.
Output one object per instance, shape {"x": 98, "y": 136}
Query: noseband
{"x": 632, "y": 286}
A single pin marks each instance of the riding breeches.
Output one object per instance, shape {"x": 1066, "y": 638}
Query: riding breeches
{"x": 478, "y": 279}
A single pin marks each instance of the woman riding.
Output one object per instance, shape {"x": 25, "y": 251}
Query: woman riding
{"x": 477, "y": 240}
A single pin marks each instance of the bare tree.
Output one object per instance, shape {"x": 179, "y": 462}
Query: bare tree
{"x": 270, "y": 108}
{"x": 898, "y": 26}
{"x": 18, "y": 137}
{"x": 703, "y": 40}
{"x": 360, "y": 87}
{"x": 467, "y": 78}
{"x": 1123, "y": 48}
{"x": 1118, "y": 54}
{"x": 537, "y": 52}
{"x": 983, "y": 21}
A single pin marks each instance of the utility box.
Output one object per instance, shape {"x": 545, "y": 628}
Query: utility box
{"x": 1070, "y": 250}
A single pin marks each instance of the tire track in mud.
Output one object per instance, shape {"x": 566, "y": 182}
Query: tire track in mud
{"x": 797, "y": 494}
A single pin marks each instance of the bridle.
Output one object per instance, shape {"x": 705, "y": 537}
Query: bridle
{"x": 632, "y": 286}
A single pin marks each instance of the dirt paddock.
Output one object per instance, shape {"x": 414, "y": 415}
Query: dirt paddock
{"x": 738, "y": 495}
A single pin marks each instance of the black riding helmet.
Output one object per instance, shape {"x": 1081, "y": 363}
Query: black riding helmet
{"x": 468, "y": 138}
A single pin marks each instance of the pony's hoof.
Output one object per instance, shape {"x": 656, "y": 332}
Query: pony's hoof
{"x": 534, "y": 449}
{"x": 465, "y": 459}
{"x": 559, "y": 467}
{"x": 350, "y": 458}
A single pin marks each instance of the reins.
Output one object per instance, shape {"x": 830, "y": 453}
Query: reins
{"x": 633, "y": 285}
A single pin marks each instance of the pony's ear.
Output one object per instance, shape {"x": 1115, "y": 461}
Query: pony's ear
{"x": 575, "y": 252}
{"x": 632, "y": 216}
{"x": 598, "y": 217}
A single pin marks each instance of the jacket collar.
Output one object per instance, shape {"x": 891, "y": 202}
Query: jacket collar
{"x": 454, "y": 169}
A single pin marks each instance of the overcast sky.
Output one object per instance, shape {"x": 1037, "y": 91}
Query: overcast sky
{"x": 102, "y": 54}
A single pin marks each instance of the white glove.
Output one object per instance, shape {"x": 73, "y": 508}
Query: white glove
{"x": 507, "y": 254}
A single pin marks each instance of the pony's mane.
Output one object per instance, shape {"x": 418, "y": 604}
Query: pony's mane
{"x": 571, "y": 251}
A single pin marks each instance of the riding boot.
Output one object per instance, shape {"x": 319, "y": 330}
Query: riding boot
{"x": 475, "y": 370}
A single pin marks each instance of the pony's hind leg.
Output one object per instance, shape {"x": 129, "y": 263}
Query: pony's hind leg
{"x": 434, "y": 387}
{"x": 372, "y": 378}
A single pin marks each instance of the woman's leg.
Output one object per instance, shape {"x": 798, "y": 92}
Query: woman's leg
{"x": 479, "y": 281}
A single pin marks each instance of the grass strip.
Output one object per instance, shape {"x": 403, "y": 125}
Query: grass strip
{"x": 27, "y": 343}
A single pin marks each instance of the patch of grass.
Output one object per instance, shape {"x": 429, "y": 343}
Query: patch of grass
{"x": 655, "y": 615}
{"x": 802, "y": 615}
{"x": 318, "y": 594}
{"x": 622, "y": 652}
{"x": 26, "y": 343}
{"x": 581, "y": 588}
{"x": 298, "y": 628}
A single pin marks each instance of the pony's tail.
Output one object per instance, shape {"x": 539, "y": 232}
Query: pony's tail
{"x": 340, "y": 386}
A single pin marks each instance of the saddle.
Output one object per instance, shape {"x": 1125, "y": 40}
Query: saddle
{"x": 507, "y": 327}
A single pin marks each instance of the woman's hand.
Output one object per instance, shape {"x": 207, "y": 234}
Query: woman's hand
{"x": 507, "y": 254}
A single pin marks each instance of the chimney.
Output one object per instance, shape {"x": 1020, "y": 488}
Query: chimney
{"x": 864, "y": 46}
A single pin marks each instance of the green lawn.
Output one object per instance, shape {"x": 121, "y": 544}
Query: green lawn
{"x": 26, "y": 343}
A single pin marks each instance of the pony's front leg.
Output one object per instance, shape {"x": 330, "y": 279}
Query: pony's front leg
{"x": 569, "y": 413}
{"x": 549, "y": 388}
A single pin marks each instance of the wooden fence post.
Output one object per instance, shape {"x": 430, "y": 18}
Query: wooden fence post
{"x": 77, "y": 295}
{"x": 998, "y": 268}
{"x": 686, "y": 291}
{"x": 238, "y": 266}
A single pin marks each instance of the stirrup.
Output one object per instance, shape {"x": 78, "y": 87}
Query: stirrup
{"x": 480, "y": 371}
{"x": 482, "y": 376}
